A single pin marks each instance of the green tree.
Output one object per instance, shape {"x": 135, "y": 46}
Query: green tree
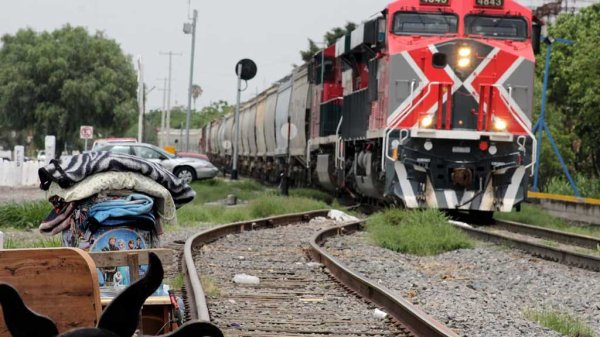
{"x": 330, "y": 38}
{"x": 198, "y": 119}
{"x": 54, "y": 82}
{"x": 574, "y": 89}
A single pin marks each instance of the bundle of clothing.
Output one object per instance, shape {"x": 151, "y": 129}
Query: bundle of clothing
{"x": 110, "y": 202}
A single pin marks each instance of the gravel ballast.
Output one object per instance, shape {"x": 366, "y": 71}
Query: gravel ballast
{"x": 479, "y": 292}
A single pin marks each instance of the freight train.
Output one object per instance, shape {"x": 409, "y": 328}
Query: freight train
{"x": 429, "y": 104}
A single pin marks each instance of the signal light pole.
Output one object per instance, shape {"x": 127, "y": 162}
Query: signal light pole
{"x": 245, "y": 70}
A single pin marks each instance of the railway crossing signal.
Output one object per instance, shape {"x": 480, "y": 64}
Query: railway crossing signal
{"x": 245, "y": 70}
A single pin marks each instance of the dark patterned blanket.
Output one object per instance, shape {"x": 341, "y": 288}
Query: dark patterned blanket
{"x": 81, "y": 166}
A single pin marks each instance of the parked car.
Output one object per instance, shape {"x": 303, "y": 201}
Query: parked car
{"x": 186, "y": 169}
{"x": 103, "y": 141}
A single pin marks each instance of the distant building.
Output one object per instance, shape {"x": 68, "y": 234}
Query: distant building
{"x": 177, "y": 139}
{"x": 548, "y": 10}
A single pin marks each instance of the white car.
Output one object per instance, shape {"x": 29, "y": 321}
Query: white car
{"x": 186, "y": 169}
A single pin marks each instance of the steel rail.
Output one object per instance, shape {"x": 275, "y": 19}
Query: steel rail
{"x": 411, "y": 317}
{"x": 583, "y": 241}
{"x": 196, "y": 300}
{"x": 547, "y": 252}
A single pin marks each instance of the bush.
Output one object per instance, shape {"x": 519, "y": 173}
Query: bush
{"x": 589, "y": 188}
{"x": 418, "y": 232}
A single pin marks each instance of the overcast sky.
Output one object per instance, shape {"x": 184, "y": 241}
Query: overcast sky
{"x": 271, "y": 32}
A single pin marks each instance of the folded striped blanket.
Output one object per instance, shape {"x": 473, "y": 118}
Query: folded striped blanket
{"x": 81, "y": 166}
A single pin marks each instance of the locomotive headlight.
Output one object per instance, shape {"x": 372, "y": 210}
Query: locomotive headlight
{"x": 464, "y": 62}
{"x": 500, "y": 124}
{"x": 464, "y": 52}
{"x": 427, "y": 121}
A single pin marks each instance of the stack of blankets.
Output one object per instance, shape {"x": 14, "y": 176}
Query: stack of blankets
{"x": 110, "y": 202}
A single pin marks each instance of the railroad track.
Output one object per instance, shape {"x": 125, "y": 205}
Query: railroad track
{"x": 567, "y": 248}
{"x": 293, "y": 297}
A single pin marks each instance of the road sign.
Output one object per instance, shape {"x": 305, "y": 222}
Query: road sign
{"x": 86, "y": 132}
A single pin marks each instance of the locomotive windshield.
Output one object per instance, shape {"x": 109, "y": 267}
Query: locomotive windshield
{"x": 497, "y": 27}
{"x": 425, "y": 23}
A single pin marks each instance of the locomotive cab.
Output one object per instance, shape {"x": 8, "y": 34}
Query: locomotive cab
{"x": 458, "y": 132}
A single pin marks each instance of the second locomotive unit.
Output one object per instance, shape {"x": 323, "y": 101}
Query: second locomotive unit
{"x": 428, "y": 105}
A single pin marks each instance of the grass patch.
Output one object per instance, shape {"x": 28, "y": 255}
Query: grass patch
{"x": 24, "y": 215}
{"x": 218, "y": 189}
{"x": 535, "y": 216}
{"x": 176, "y": 283}
{"x": 309, "y": 193}
{"x": 210, "y": 287}
{"x": 270, "y": 205}
{"x": 52, "y": 242}
{"x": 560, "y": 322}
{"x": 419, "y": 232}
{"x": 260, "y": 201}
{"x": 263, "y": 206}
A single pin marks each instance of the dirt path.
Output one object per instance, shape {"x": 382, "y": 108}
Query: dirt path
{"x": 17, "y": 194}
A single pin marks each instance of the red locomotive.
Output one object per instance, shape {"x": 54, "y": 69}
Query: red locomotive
{"x": 428, "y": 104}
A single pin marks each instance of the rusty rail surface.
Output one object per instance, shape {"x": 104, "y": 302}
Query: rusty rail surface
{"x": 557, "y": 254}
{"x": 583, "y": 241}
{"x": 412, "y": 318}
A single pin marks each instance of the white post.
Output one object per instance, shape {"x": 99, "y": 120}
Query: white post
{"x": 50, "y": 148}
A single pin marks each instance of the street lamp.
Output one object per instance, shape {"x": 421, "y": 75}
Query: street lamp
{"x": 190, "y": 28}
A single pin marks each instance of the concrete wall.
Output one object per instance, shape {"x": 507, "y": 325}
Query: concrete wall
{"x": 24, "y": 175}
{"x": 568, "y": 208}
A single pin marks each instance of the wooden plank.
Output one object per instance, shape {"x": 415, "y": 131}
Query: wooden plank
{"x": 61, "y": 283}
{"x": 133, "y": 262}
{"x": 152, "y": 300}
{"x": 120, "y": 258}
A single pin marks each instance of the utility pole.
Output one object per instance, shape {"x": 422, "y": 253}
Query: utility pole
{"x": 141, "y": 94}
{"x": 190, "y": 29}
{"x": 168, "y": 119}
{"x": 163, "y": 112}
